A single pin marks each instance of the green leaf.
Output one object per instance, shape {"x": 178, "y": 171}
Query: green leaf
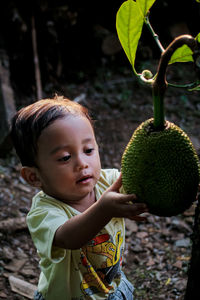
{"x": 129, "y": 22}
{"x": 198, "y": 37}
{"x": 183, "y": 54}
{"x": 196, "y": 88}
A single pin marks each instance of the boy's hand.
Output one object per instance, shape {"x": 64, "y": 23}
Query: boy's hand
{"x": 119, "y": 205}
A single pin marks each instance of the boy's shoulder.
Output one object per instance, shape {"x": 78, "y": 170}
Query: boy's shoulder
{"x": 107, "y": 178}
{"x": 45, "y": 206}
{"x": 44, "y": 201}
{"x": 110, "y": 175}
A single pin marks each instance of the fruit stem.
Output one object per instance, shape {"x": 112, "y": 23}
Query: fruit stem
{"x": 160, "y": 84}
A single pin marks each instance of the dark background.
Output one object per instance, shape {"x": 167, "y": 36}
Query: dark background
{"x": 75, "y": 39}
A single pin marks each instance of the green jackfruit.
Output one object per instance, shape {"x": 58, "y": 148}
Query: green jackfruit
{"x": 161, "y": 168}
{"x": 160, "y": 164}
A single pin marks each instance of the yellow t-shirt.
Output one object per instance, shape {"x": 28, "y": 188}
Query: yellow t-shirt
{"x": 91, "y": 272}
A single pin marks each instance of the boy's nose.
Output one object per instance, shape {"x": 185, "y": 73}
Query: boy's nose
{"x": 81, "y": 163}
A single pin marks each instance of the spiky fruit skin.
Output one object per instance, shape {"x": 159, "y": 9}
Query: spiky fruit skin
{"x": 161, "y": 168}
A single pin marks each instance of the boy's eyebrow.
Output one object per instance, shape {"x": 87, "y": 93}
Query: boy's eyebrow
{"x": 58, "y": 148}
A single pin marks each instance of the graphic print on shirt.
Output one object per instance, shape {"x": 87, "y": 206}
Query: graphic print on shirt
{"x": 97, "y": 280}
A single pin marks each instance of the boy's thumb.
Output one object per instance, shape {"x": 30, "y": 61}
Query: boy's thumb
{"x": 117, "y": 184}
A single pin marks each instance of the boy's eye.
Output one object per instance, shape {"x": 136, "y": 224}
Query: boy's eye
{"x": 89, "y": 150}
{"x": 65, "y": 158}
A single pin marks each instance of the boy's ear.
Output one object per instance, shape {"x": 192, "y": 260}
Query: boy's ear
{"x": 30, "y": 176}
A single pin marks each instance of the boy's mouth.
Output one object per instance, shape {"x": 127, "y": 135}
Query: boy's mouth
{"x": 84, "y": 179}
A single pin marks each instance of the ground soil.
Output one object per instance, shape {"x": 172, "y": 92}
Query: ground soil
{"x": 158, "y": 250}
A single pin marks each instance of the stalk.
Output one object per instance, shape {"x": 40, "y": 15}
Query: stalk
{"x": 155, "y": 36}
{"x": 160, "y": 84}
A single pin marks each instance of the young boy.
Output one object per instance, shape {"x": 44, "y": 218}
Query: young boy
{"x": 76, "y": 220}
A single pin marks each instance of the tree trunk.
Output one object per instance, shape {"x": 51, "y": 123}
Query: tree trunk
{"x": 193, "y": 284}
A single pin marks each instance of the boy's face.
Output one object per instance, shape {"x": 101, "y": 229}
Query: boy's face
{"x": 68, "y": 159}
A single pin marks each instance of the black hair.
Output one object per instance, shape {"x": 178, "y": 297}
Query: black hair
{"x": 30, "y": 121}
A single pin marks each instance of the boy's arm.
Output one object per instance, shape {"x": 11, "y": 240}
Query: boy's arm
{"x": 77, "y": 231}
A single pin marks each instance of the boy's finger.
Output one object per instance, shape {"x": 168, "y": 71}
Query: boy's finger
{"x": 138, "y": 218}
{"x": 128, "y": 198}
{"x": 117, "y": 184}
{"x": 138, "y": 208}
